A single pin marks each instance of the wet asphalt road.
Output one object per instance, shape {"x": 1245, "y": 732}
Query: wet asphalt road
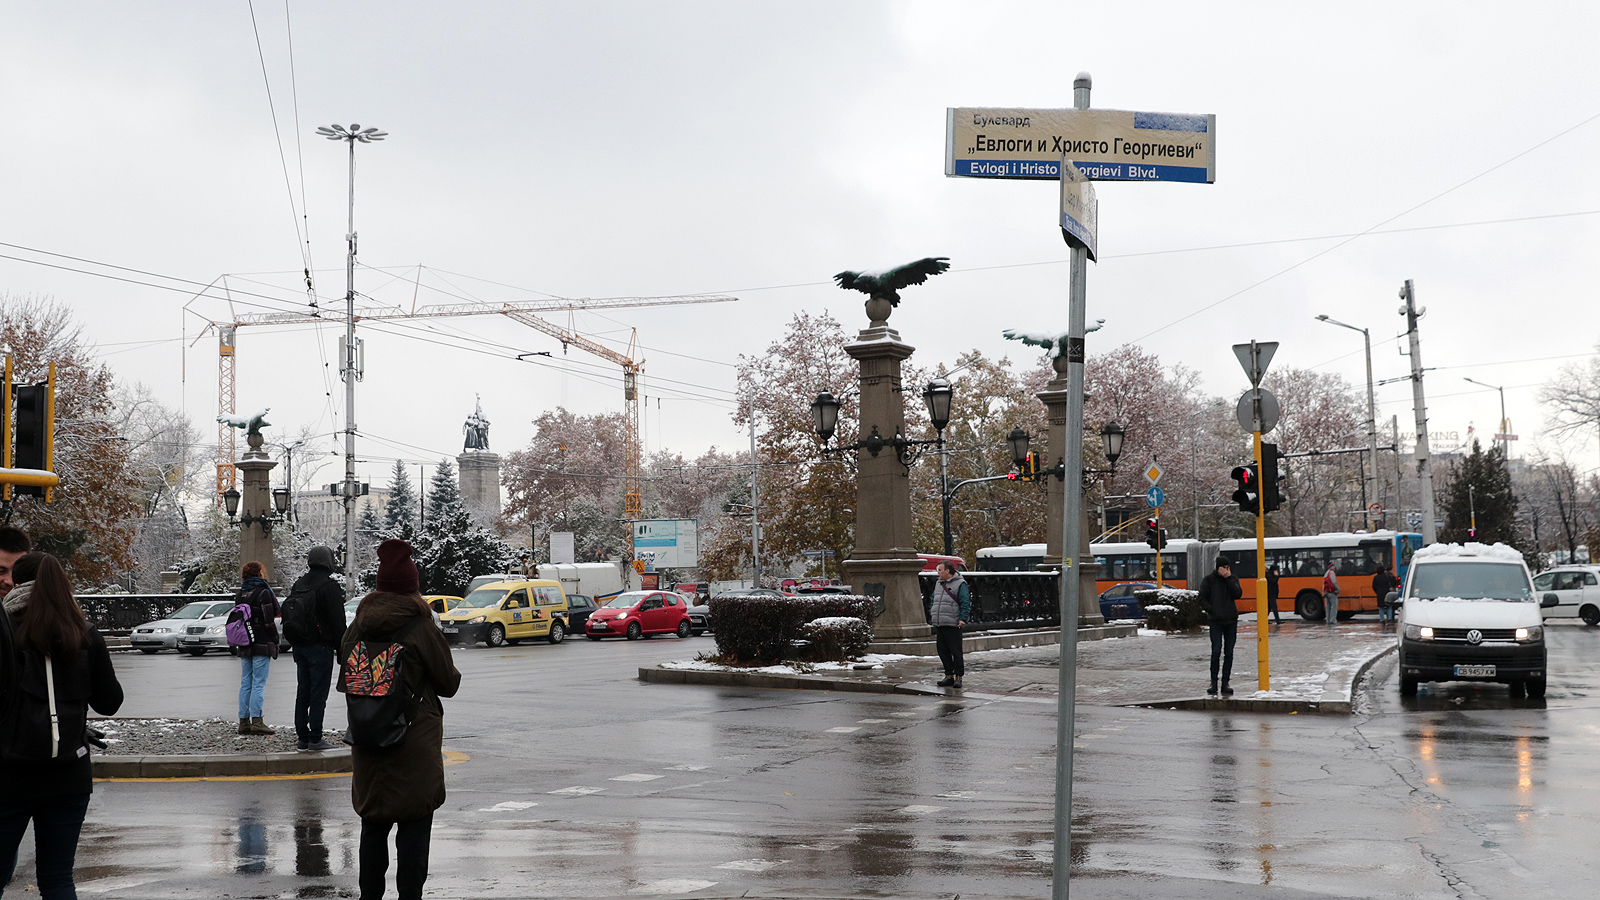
{"x": 580, "y": 781}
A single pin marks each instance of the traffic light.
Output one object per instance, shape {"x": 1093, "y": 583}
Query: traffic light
{"x": 32, "y": 403}
{"x": 1163, "y": 544}
{"x": 1152, "y": 534}
{"x": 1035, "y": 465}
{"x": 1271, "y": 495}
{"x": 1249, "y": 484}
{"x": 1027, "y": 468}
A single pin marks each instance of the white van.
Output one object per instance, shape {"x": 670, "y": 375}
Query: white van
{"x": 1470, "y": 614}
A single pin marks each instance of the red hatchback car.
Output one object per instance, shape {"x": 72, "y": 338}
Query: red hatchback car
{"x": 637, "y": 614}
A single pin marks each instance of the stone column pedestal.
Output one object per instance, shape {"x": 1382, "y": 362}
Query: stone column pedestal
{"x": 255, "y": 500}
{"x": 1054, "y": 398}
{"x": 884, "y": 562}
{"x": 479, "y": 472}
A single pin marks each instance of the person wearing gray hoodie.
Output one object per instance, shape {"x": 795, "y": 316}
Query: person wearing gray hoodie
{"x": 949, "y": 608}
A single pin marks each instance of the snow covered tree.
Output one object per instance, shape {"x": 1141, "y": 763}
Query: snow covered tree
{"x": 451, "y": 549}
{"x": 400, "y": 512}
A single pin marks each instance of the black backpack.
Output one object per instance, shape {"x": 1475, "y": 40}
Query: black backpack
{"x": 46, "y": 714}
{"x": 299, "y": 613}
{"x": 379, "y": 704}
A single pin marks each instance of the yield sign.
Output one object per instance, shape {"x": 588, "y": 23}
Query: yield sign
{"x": 1255, "y": 358}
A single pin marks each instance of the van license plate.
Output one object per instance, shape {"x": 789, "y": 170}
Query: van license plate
{"x": 1475, "y": 671}
{"x": 449, "y": 629}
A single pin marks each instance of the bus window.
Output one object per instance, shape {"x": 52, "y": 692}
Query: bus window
{"x": 1349, "y": 561}
{"x": 1244, "y": 563}
{"x": 1171, "y": 567}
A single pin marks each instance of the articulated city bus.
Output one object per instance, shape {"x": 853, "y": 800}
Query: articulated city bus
{"x": 1303, "y": 560}
{"x": 1021, "y": 558}
{"x": 1121, "y": 563}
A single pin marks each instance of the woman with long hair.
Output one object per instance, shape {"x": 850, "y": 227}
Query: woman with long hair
{"x": 61, "y": 670}
{"x": 399, "y": 787}
{"x": 256, "y": 657}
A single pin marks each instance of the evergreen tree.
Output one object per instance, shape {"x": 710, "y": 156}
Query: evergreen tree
{"x": 1479, "y": 490}
{"x": 400, "y": 513}
{"x": 451, "y": 549}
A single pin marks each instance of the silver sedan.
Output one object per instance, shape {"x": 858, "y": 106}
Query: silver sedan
{"x": 163, "y": 634}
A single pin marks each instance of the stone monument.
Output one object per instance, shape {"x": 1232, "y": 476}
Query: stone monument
{"x": 255, "y": 500}
{"x": 479, "y": 470}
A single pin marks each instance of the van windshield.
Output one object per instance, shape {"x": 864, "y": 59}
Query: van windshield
{"x": 1470, "y": 581}
{"x": 482, "y": 599}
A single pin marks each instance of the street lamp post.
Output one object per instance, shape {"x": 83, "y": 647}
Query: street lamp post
{"x": 1372, "y": 424}
{"x": 1504, "y": 429}
{"x": 350, "y": 367}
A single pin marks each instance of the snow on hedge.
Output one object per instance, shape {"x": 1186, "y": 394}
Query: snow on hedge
{"x": 835, "y": 621}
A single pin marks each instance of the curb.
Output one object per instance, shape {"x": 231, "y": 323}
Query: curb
{"x": 1341, "y": 705}
{"x": 1002, "y": 640}
{"x": 331, "y": 762}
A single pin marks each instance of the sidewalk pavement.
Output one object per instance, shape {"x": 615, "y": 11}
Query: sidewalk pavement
{"x": 1314, "y": 668}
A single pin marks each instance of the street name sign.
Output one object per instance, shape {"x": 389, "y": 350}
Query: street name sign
{"x": 1080, "y": 211}
{"x": 1105, "y": 144}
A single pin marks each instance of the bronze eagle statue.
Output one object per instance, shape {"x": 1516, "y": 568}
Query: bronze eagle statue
{"x": 886, "y": 283}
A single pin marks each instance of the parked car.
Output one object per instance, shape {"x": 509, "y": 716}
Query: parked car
{"x": 163, "y": 634}
{"x": 1119, "y": 602}
{"x": 1470, "y": 614}
{"x": 1577, "y": 591}
{"x": 802, "y": 590}
{"x": 509, "y": 612}
{"x": 579, "y": 608}
{"x": 637, "y": 614}
{"x": 699, "y": 619}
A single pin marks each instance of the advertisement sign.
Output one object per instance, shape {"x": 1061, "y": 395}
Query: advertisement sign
{"x": 667, "y": 543}
{"x": 1080, "y": 211}
{"x": 1105, "y": 144}
{"x": 563, "y": 548}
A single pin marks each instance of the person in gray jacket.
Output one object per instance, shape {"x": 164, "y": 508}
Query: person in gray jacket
{"x": 948, "y": 609}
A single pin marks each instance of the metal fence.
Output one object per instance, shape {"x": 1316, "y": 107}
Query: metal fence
{"x": 120, "y": 613}
{"x": 1006, "y": 599}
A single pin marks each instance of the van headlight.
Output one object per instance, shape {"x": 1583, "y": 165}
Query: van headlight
{"x": 476, "y": 620}
{"x": 1419, "y": 633}
{"x": 1530, "y": 635}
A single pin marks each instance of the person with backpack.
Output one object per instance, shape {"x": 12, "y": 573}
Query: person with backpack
{"x": 394, "y": 666}
{"x": 313, "y": 621}
{"x": 252, "y": 632}
{"x": 59, "y": 669}
{"x": 1330, "y": 592}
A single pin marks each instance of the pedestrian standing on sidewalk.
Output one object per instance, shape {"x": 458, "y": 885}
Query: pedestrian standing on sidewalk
{"x": 56, "y": 669}
{"x": 313, "y": 621}
{"x": 1272, "y": 594}
{"x": 949, "y": 608}
{"x": 1330, "y": 591}
{"x": 1382, "y": 584}
{"x": 1219, "y": 600}
{"x": 13, "y": 543}
{"x": 256, "y": 657}
{"x": 399, "y": 787}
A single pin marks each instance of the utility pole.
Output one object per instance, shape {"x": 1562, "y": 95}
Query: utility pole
{"x": 755, "y": 502}
{"x": 351, "y": 365}
{"x": 1419, "y": 402}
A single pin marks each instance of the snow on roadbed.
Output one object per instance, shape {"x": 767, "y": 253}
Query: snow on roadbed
{"x": 873, "y": 660}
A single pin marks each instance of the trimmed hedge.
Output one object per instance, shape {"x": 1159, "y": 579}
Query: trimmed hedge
{"x": 834, "y": 639}
{"x": 761, "y": 630}
{"x": 1171, "y": 609}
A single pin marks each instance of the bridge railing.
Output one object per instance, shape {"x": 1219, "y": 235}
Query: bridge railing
{"x": 1006, "y": 599}
{"x": 121, "y": 613}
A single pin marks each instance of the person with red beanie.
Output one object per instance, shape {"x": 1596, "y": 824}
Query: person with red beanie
{"x": 399, "y": 787}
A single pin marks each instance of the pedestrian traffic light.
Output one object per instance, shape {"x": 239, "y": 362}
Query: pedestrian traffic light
{"x": 1247, "y": 492}
{"x": 1152, "y": 533}
{"x": 1271, "y": 495}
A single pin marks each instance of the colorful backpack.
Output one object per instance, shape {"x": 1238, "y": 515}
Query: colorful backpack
{"x": 379, "y": 704}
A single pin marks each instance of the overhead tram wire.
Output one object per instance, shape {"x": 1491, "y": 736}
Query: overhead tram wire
{"x": 302, "y": 241}
{"x": 1398, "y": 215}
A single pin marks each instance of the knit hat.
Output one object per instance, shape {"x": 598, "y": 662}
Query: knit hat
{"x": 1221, "y": 560}
{"x": 397, "y": 574}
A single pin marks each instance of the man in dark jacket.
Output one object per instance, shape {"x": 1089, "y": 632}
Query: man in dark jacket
{"x": 1219, "y": 595}
{"x": 313, "y": 659}
{"x": 1382, "y": 584}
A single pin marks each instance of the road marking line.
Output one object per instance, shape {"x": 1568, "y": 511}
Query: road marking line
{"x": 823, "y": 847}
{"x": 872, "y": 721}
{"x": 957, "y": 795}
{"x": 843, "y": 729}
{"x": 919, "y": 810}
{"x": 752, "y": 865}
{"x": 905, "y": 715}
{"x": 685, "y": 768}
{"x": 672, "y": 886}
{"x": 637, "y": 776}
{"x": 578, "y": 791}
{"x": 509, "y": 806}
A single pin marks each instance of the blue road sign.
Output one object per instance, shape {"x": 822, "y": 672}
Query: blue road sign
{"x": 1154, "y": 496}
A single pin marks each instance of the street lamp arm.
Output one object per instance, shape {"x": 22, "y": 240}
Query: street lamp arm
{"x": 950, "y": 494}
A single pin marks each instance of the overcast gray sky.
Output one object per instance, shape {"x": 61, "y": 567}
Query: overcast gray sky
{"x": 611, "y": 149}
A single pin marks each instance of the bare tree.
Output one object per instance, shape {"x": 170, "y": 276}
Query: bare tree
{"x": 1573, "y": 397}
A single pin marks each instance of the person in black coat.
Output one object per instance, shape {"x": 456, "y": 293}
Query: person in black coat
{"x": 1219, "y": 596}
{"x": 313, "y": 658}
{"x": 1382, "y": 584}
{"x": 43, "y": 780}
{"x": 1273, "y": 574}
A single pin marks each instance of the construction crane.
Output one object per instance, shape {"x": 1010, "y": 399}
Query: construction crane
{"x": 633, "y": 463}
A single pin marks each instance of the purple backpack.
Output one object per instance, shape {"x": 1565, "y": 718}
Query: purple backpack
{"x": 240, "y": 628}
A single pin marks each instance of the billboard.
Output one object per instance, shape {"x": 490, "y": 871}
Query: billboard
{"x": 666, "y": 543}
{"x": 1105, "y": 144}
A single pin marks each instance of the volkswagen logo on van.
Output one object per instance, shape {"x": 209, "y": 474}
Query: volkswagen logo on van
{"x": 1474, "y": 636}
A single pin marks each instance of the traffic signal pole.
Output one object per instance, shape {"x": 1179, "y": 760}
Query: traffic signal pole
{"x": 1159, "y": 544}
{"x": 1262, "y": 653}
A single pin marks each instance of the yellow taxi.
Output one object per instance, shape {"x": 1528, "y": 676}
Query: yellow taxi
{"x": 442, "y": 603}
{"x": 508, "y": 612}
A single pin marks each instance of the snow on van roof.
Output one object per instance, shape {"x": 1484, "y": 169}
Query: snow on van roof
{"x": 1469, "y": 549}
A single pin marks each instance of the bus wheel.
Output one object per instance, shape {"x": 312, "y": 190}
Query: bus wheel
{"x": 1309, "y": 605}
